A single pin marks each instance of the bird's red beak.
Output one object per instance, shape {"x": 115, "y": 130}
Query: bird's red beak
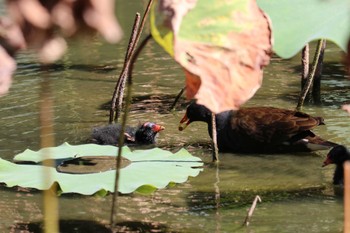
{"x": 327, "y": 162}
{"x": 184, "y": 123}
{"x": 157, "y": 128}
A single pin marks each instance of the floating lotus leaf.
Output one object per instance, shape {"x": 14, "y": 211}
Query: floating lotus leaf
{"x": 148, "y": 169}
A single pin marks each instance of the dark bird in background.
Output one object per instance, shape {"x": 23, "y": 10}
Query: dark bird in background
{"x": 260, "y": 129}
{"x": 144, "y": 134}
{"x": 338, "y": 155}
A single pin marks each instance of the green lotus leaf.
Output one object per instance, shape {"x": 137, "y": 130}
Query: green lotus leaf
{"x": 147, "y": 171}
{"x": 66, "y": 151}
{"x": 297, "y": 22}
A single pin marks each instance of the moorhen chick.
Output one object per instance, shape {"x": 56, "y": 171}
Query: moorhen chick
{"x": 260, "y": 129}
{"x": 141, "y": 135}
{"x": 338, "y": 155}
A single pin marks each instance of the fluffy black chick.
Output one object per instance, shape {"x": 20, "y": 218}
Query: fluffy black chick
{"x": 143, "y": 134}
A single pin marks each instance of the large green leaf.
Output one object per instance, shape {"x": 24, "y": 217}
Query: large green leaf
{"x": 297, "y": 22}
{"x": 223, "y": 46}
{"x": 149, "y": 170}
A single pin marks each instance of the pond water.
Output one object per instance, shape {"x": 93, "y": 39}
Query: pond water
{"x": 296, "y": 193}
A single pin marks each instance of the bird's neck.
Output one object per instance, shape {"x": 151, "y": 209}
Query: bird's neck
{"x": 338, "y": 177}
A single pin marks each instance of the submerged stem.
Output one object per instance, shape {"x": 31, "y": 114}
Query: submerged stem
{"x": 251, "y": 210}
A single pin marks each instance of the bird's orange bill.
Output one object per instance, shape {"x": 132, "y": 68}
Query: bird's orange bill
{"x": 327, "y": 162}
{"x": 184, "y": 123}
{"x": 157, "y": 128}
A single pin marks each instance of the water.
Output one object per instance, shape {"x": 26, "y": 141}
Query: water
{"x": 296, "y": 192}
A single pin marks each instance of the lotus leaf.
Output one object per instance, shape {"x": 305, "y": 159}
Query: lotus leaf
{"x": 148, "y": 169}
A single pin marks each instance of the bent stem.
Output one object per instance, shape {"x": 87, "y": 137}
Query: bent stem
{"x": 251, "y": 211}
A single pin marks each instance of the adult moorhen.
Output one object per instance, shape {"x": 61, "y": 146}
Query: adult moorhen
{"x": 141, "y": 135}
{"x": 338, "y": 155}
{"x": 260, "y": 129}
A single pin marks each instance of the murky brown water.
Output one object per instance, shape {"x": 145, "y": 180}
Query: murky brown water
{"x": 296, "y": 192}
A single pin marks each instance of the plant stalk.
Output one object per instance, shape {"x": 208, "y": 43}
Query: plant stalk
{"x": 177, "y": 98}
{"x": 214, "y": 138}
{"x": 251, "y": 210}
{"x": 50, "y": 202}
{"x": 120, "y": 86}
{"x": 347, "y": 197}
{"x": 305, "y": 64}
{"x": 311, "y": 75}
{"x": 128, "y": 71}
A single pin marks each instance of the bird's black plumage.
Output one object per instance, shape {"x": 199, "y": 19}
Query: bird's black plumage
{"x": 338, "y": 156}
{"x": 260, "y": 129}
{"x": 142, "y": 135}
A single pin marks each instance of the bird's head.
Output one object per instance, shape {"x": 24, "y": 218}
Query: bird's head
{"x": 337, "y": 155}
{"x": 147, "y": 132}
{"x": 195, "y": 112}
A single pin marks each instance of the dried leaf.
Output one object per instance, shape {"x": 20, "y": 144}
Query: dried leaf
{"x": 193, "y": 82}
{"x": 11, "y": 37}
{"x": 100, "y": 16}
{"x": 42, "y": 25}
{"x": 42, "y": 22}
{"x": 346, "y": 108}
{"x": 52, "y": 50}
{"x": 33, "y": 12}
{"x": 7, "y": 67}
{"x": 225, "y": 43}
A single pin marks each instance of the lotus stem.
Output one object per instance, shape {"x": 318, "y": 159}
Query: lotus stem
{"x": 120, "y": 86}
{"x": 251, "y": 211}
{"x": 177, "y": 98}
{"x": 347, "y": 197}
{"x": 305, "y": 64}
{"x": 128, "y": 68}
{"x": 214, "y": 139}
{"x": 50, "y": 202}
{"x": 311, "y": 75}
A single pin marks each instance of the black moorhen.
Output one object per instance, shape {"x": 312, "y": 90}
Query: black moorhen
{"x": 338, "y": 155}
{"x": 260, "y": 129}
{"x": 141, "y": 135}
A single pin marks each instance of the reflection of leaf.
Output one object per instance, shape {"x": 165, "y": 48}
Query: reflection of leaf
{"x": 225, "y": 43}
{"x": 297, "y": 22}
{"x": 149, "y": 169}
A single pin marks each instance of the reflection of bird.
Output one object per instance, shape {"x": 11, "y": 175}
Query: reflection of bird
{"x": 260, "y": 129}
{"x": 338, "y": 155}
{"x": 142, "y": 134}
